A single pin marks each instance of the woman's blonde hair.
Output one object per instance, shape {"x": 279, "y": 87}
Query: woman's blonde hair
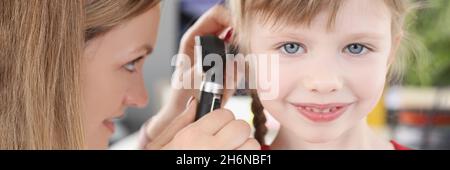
{"x": 41, "y": 47}
{"x": 288, "y": 12}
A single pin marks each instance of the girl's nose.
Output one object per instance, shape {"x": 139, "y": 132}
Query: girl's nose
{"x": 323, "y": 85}
{"x": 323, "y": 75}
{"x": 323, "y": 80}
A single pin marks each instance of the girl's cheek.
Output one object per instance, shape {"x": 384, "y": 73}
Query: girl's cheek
{"x": 277, "y": 107}
{"x": 366, "y": 84}
{"x": 289, "y": 75}
{"x": 368, "y": 81}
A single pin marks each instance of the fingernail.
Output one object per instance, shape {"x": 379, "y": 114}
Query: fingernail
{"x": 190, "y": 101}
{"x": 228, "y": 36}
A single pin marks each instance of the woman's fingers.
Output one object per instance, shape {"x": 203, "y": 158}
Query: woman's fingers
{"x": 213, "y": 122}
{"x": 217, "y": 130}
{"x": 233, "y": 135}
{"x": 215, "y": 21}
{"x": 250, "y": 144}
{"x": 180, "y": 122}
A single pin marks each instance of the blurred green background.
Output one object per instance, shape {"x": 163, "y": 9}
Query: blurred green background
{"x": 419, "y": 107}
{"x": 430, "y": 26}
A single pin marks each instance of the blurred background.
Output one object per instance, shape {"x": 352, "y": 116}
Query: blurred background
{"x": 415, "y": 111}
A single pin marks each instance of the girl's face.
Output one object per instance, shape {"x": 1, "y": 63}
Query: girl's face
{"x": 329, "y": 79}
{"x": 112, "y": 78}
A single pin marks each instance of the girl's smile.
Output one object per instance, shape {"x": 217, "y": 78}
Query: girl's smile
{"x": 322, "y": 112}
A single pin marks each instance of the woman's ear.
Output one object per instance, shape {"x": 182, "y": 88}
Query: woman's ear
{"x": 396, "y": 42}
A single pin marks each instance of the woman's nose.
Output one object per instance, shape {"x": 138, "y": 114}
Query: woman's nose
{"x": 137, "y": 95}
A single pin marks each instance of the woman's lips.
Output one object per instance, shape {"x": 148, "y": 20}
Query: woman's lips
{"x": 109, "y": 124}
{"x": 322, "y": 112}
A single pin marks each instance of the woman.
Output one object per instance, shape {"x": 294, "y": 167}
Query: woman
{"x": 70, "y": 67}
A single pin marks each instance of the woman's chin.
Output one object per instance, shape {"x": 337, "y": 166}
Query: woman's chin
{"x": 97, "y": 146}
{"x": 100, "y": 142}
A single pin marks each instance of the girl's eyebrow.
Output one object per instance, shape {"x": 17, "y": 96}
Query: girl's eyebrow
{"x": 345, "y": 35}
{"x": 364, "y": 35}
{"x": 290, "y": 35}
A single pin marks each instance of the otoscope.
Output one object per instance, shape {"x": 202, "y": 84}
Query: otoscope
{"x": 212, "y": 87}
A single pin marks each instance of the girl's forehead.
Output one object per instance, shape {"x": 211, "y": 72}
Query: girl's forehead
{"x": 361, "y": 16}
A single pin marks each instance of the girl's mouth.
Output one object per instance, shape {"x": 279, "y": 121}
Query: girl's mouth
{"x": 321, "y": 112}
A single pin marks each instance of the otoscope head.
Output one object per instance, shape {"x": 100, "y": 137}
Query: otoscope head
{"x": 212, "y": 45}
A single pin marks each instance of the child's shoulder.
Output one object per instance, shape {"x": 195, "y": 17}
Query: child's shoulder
{"x": 265, "y": 147}
{"x": 396, "y": 145}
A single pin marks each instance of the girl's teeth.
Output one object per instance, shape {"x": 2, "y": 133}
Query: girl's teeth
{"x": 316, "y": 110}
{"x": 333, "y": 109}
{"x": 327, "y": 110}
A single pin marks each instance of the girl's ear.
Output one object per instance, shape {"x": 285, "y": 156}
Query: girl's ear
{"x": 396, "y": 42}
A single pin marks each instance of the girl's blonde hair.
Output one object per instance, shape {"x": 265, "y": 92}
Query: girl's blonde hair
{"x": 288, "y": 12}
{"x": 42, "y": 43}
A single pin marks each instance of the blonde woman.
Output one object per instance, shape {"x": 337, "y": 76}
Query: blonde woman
{"x": 69, "y": 67}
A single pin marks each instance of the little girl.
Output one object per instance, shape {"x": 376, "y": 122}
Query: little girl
{"x": 335, "y": 58}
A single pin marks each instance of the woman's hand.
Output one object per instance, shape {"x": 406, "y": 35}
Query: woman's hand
{"x": 216, "y": 131}
{"x": 216, "y": 21}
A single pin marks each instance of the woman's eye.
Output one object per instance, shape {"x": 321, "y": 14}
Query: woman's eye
{"x": 356, "y": 49}
{"x": 131, "y": 66}
{"x": 292, "y": 48}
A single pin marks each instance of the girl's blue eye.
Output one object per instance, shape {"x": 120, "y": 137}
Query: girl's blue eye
{"x": 292, "y": 48}
{"x": 355, "y": 49}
